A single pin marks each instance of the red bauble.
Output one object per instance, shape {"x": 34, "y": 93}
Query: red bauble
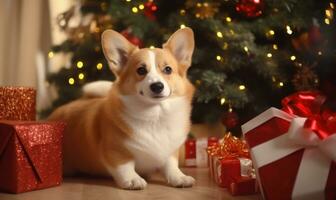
{"x": 314, "y": 35}
{"x": 150, "y": 9}
{"x": 130, "y": 37}
{"x": 230, "y": 120}
{"x": 250, "y": 8}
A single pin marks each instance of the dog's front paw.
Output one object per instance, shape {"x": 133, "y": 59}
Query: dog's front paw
{"x": 136, "y": 183}
{"x": 181, "y": 181}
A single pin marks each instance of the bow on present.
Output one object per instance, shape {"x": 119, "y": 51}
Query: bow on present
{"x": 310, "y": 105}
{"x": 315, "y": 125}
{"x": 229, "y": 147}
{"x": 312, "y": 127}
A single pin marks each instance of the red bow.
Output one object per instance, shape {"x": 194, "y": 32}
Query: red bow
{"x": 320, "y": 120}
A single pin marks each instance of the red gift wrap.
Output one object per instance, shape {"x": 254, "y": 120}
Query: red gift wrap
{"x": 244, "y": 186}
{"x": 293, "y": 150}
{"x": 190, "y": 153}
{"x": 30, "y": 155}
{"x": 230, "y": 165}
{"x": 226, "y": 170}
{"x": 195, "y": 151}
{"x": 17, "y": 103}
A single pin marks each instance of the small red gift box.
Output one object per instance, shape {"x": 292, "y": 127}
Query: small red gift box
{"x": 294, "y": 156}
{"x": 195, "y": 151}
{"x": 30, "y": 155}
{"x": 230, "y": 169}
{"x": 17, "y": 103}
{"x": 244, "y": 186}
{"x": 229, "y": 161}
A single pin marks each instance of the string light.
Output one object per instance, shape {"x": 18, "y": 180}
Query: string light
{"x": 71, "y": 81}
{"x": 219, "y": 34}
{"x": 182, "y": 26}
{"x": 134, "y": 9}
{"x": 50, "y": 54}
{"x": 182, "y": 12}
{"x": 331, "y": 5}
{"x": 128, "y": 0}
{"x": 141, "y": 6}
{"x": 228, "y": 19}
{"x": 99, "y": 66}
{"x": 246, "y": 49}
{"x": 269, "y": 55}
{"x": 230, "y": 109}
{"x": 80, "y": 64}
{"x": 218, "y": 57}
{"x": 242, "y": 87}
{"x": 275, "y": 47}
{"x": 293, "y": 58}
{"x": 319, "y": 53}
{"x": 281, "y": 84}
{"x": 273, "y": 78}
{"x": 328, "y": 13}
{"x": 232, "y": 32}
{"x": 222, "y": 101}
{"x": 81, "y": 76}
{"x": 327, "y": 21}
{"x": 152, "y": 47}
{"x": 289, "y": 30}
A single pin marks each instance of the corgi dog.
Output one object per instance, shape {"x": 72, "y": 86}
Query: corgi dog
{"x": 136, "y": 126}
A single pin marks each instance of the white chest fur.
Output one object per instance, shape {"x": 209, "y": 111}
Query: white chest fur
{"x": 158, "y": 130}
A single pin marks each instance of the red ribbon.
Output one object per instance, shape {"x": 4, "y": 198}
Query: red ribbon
{"x": 320, "y": 120}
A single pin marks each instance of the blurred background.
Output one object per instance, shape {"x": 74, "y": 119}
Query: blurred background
{"x": 249, "y": 53}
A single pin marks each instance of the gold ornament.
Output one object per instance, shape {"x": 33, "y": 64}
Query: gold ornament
{"x": 78, "y": 26}
{"x": 202, "y": 10}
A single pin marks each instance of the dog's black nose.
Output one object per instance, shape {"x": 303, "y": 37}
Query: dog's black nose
{"x": 157, "y": 87}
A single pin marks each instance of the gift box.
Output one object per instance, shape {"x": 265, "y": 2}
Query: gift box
{"x": 229, "y": 161}
{"x": 293, "y": 150}
{"x": 226, "y": 170}
{"x": 30, "y": 155}
{"x": 17, "y": 103}
{"x": 195, "y": 151}
{"x": 243, "y": 186}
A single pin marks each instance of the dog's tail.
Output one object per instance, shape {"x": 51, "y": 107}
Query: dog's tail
{"x": 97, "y": 89}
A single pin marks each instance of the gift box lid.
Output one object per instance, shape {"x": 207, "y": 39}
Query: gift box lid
{"x": 264, "y": 117}
{"x": 51, "y": 133}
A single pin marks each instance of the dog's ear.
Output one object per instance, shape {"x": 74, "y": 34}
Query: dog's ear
{"x": 181, "y": 44}
{"x": 117, "y": 50}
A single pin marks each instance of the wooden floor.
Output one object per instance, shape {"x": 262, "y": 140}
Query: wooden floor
{"x": 104, "y": 189}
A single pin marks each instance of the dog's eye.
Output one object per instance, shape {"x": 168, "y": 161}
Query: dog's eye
{"x": 167, "y": 70}
{"x": 142, "y": 70}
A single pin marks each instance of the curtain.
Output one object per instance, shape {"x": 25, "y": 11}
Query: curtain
{"x": 25, "y": 32}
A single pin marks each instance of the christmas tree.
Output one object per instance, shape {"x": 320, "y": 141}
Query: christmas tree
{"x": 249, "y": 53}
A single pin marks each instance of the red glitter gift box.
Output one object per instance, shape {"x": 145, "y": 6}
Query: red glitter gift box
{"x": 17, "y": 103}
{"x": 30, "y": 155}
